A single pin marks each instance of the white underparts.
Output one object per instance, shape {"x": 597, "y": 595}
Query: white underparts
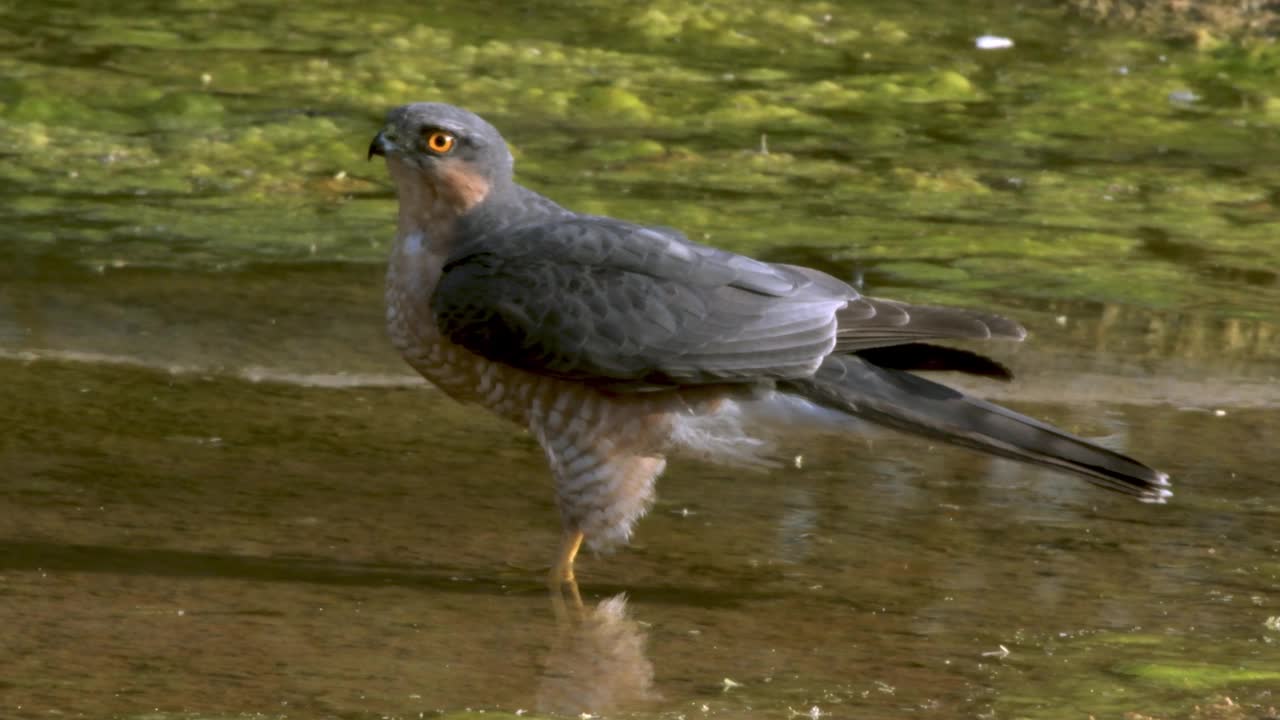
{"x": 747, "y": 433}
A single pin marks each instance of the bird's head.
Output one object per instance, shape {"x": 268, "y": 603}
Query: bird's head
{"x": 443, "y": 159}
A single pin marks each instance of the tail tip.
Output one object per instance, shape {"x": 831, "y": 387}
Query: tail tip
{"x": 1159, "y": 493}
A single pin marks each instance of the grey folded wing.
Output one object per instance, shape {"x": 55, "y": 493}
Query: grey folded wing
{"x": 870, "y": 322}
{"x": 634, "y": 308}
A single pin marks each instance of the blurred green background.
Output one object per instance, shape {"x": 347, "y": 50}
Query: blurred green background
{"x": 1083, "y": 163}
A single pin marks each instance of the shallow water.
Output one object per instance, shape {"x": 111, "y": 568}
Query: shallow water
{"x": 224, "y": 495}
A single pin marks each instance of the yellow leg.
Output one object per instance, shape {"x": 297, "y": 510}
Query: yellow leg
{"x": 562, "y": 571}
{"x": 561, "y": 577}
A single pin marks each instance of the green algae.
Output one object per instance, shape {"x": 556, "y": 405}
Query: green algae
{"x": 756, "y": 125}
{"x": 1197, "y": 676}
{"x": 1117, "y": 672}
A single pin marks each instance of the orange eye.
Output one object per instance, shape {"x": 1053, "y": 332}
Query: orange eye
{"x": 441, "y": 142}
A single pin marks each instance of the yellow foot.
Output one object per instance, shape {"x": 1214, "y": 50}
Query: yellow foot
{"x": 561, "y": 581}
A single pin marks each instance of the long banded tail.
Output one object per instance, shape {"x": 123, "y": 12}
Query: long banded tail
{"x": 918, "y": 406}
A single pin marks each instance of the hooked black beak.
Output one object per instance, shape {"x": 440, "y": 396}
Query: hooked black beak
{"x": 378, "y": 146}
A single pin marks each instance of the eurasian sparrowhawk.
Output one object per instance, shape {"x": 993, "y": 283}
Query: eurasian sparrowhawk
{"x": 616, "y": 343}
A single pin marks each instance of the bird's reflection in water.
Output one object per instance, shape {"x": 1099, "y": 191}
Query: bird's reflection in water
{"x": 597, "y": 663}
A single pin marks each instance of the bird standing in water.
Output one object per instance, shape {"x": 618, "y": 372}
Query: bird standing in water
{"x": 617, "y": 343}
